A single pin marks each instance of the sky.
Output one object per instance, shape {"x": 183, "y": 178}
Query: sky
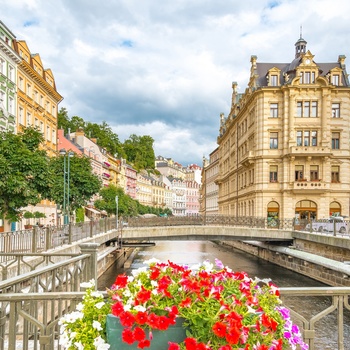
{"x": 165, "y": 68}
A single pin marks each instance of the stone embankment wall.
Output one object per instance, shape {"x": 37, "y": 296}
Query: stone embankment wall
{"x": 323, "y": 258}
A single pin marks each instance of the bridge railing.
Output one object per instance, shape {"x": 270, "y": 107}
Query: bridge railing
{"x": 30, "y": 320}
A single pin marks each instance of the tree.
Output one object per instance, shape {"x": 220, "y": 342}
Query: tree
{"x": 25, "y": 176}
{"x": 83, "y": 184}
{"x": 139, "y": 151}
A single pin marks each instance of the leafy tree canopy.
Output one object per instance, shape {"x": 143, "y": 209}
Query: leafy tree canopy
{"x": 25, "y": 175}
{"x": 83, "y": 184}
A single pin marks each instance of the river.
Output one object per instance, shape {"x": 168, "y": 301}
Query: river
{"x": 194, "y": 252}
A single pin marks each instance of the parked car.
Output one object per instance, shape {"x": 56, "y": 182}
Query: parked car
{"x": 327, "y": 225}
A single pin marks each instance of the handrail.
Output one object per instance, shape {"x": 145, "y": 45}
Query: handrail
{"x": 32, "y": 318}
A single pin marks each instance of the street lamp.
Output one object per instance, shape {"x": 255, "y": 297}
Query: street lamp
{"x": 66, "y": 183}
{"x": 116, "y": 211}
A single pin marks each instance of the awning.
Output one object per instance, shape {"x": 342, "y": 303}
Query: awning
{"x": 93, "y": 210}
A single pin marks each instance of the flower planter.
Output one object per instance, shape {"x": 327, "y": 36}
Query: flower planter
{"x": 175, "y": 333}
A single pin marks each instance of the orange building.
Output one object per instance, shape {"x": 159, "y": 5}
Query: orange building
{"x": 37, "y": 96}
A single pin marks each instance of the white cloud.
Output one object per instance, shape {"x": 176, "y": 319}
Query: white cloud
{"x": 166, "y": 71}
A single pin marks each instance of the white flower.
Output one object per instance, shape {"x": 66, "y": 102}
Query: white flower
{"x": 100, "y": 304}
{"x": 89, "y": 284}
{"x": 127, "y": 293}
{"x": 97, "y": 325}
{"x": 208, "y": 266}
{"x": 96, "y": 294}
{"x": 154, "y": 283}
{"x": 80, "y": 307}
{"x": 79, "y": 345}
{"x": 140, "y": 308}
{"x": 100, "y": 344}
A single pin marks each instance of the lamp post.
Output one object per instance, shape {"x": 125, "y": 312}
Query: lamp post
{"x": 66, "y": 182}
{"x": 116, "y": 211}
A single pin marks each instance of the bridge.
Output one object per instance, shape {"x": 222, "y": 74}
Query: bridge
{"x": 205, "y": 233}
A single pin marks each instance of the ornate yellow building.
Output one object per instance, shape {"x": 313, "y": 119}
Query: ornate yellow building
{"x": 284, "y": 148}
{"x": 37, "y": 97}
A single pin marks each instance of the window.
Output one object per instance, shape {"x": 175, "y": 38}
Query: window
{"x": 20, "y": 83}
{"x": 11, "y": 107}
{"x": 11, "y": 73}
{"x": 335, "y": 140}
{"x": 36, "y": 96}
{"x": 335, "y": 110}
{"x": 53, "y": 110}
{"x": 42, "y": 127}
{"x": 299, "y": 172}
{"x": 335, "y": 79}
{"x": 335, "y": 173}
{"x": 2, "y": 66}
{"x": 29, "y": 119}
{"x": 20, "y": 115}
{"x": 305, "y": 137}
{"x": 273, "y": 140}
{"x": 29, "y": 90}
{"x": 273, "y": 173}
{"x": 314, "y": 109}
{"x": 307, "y": 78}
{"x": 36, "y": 122}
{"x": 53, "y": 136}
{"x": 48, "y": 133}
{"x": 314, "y": 172}
{"x": 274, "y": 110}
{"x": 306, "y": 109}
{"x": 274, "y": 80}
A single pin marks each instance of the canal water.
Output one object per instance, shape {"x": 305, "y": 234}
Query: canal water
{"x": 194, "y": 252}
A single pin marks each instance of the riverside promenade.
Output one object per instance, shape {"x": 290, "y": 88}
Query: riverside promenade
{"x": 29, "y": 313}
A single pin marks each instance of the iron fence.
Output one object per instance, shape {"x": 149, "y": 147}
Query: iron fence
{"x": 40, "y": 239}
{"x": 31, "y": 319}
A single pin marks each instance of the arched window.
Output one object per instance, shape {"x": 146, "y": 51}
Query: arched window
{"x": 306, "y": 210}
{"x": 273, "y": 209}
{"x": 334, "y": 209}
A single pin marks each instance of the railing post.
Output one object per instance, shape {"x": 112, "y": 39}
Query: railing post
{"x": 334, "y": 227}
{"x": 92, "y": 250}
{"x": 91, "y": 228}
{"x": 70, "y": 238}
{"x": 48, "y": 239}
{"x": 34, "y": 240}
{"x": 310, "y": 225}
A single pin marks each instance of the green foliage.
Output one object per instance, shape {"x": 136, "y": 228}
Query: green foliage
{"x": 28, "y": 215}
{"x": 139, "y": 151}
{"x": 80, "y": 215}
{"x": 83, "y": 184}
{"x": 25, "y": 176}
{"x": 38, "y": 215}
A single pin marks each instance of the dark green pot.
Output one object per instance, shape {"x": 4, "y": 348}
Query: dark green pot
{"x": 174, "y": 334}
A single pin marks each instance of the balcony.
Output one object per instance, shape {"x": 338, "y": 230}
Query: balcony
{"x": 309, "y": 151}
{"x": 314, "y": 185}
{"x": 248, "y": 158}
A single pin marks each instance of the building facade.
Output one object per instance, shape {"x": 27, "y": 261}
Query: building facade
{"x": 284, "y": 147}
{"x": 9, "y": 60}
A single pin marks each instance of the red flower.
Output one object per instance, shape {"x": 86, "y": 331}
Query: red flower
{"x": 269, "y": 322}
{"x": 144, "y": 344}
{"x": 201, "y": 346}
{"x": 163, "y": 323}
{"x": 225, "y": 347}
{"x": 128, "y": 336}
{"x": 127, "y": 319}
{"x": 117, "y": 308}
{"x": 219, "y": 329}
{"x": 139, "y": 334}
{"x": 141, "y": 317}
{"x": 143, "y": 296}
{"x": 153, "y": 320}
{"x": 173, "y": 346}
{"x": 155, "y": 272}
{"x": 186, "y": 302}
{"x": 233, "y": 335}
{"x": 190, "y": 344}
{"x": 121, "y": 281}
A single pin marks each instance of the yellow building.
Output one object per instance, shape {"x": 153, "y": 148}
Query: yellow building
{"x": 284, "y": 147}
{"x": 37, "y": 96}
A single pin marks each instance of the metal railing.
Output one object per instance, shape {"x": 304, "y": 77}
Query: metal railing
{"x": 31, "y": 319}
{"x": 41, "y": 239}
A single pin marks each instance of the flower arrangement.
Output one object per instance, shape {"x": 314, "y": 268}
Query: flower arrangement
{"x": 221, "y": 309}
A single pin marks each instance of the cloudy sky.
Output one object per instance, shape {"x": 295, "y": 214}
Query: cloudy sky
{"x": 165, "y": 68}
